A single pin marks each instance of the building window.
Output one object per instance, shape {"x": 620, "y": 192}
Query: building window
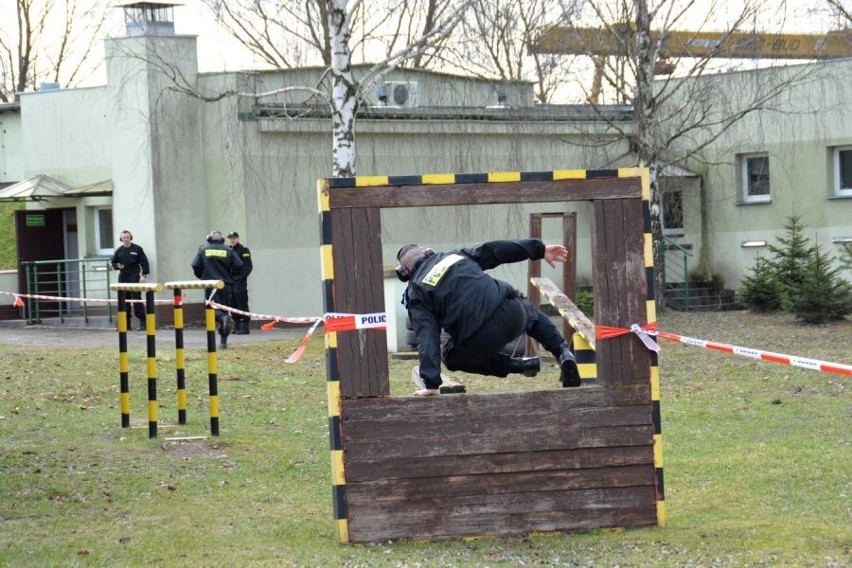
{"x": 673, "y": 212}
{"x": 843, "y": 171}
{"x": 104, "y": 241}
{"x": 755, "y": 171}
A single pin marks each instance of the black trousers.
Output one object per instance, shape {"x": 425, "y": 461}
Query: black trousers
{"x": 224, "y": 296}
{"x": 137, "y": 308}
{"x": 241, "y": 298}
{"x": 480, "y": 353}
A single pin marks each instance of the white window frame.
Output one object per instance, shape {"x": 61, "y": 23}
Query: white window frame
{"x": 745, "y": 159}
{"x": 840, "y": 191}
{"x": 102, "y": 248}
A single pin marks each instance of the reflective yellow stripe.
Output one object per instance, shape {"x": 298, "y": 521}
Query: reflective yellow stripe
{"x": 436, "y": 179}
{"x": 504, "y": 176}
{"x": 569, "y": 174}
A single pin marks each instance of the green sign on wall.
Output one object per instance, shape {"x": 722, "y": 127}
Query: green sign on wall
{"x": 35, "y": 220}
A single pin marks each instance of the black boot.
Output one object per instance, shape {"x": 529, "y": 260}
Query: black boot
{"x": 241, "y": 327}
{"x": 569, "y": 375}
{"x": 527, "y": 366}
{"x": 226, "y": 325}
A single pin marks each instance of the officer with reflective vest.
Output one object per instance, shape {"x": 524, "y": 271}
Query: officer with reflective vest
{"x": 218, "y": 261}
{"x": 481, "y": 314}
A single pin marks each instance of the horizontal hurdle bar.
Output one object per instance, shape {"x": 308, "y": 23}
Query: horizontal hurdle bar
{"x": 129, "y": 287}
{"x": 194, "y": 284}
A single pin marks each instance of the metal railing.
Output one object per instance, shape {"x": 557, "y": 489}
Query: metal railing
{"x": 675, "y": 271}
{"x": 79, "y": 280}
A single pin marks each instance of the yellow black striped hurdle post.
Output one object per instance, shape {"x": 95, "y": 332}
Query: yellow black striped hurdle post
{"x": 180, "y": 357}
{"x": 150, "y": 334}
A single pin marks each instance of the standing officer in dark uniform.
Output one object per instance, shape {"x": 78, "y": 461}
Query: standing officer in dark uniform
{"x": 132, "y": 265}
{"x": 241, "y": 322}
{"x": 451, "y": 291}
{"x": 217, "y": 261}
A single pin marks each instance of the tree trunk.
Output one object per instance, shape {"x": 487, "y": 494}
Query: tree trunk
{"x": 343, "y": 92}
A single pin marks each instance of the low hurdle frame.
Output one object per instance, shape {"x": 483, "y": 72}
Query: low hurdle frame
{"x": 552, "y": 460}
{"x": 180, "y": 358}
{"x": 212, "y": 361}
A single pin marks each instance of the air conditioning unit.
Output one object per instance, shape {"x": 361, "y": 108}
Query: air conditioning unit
{"x": 399, "y": 94}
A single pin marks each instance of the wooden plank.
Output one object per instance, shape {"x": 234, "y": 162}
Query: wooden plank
{"x": 566, "y": 308}
{"x": 359, "y": 289}
{"x": 547, "y": 403}
{"x": 384, "y": 467}
{"x": 620, "y": 290}
{"x": 485, "y": 193}
{"x": 389, "y": 493}
{"x": 516, "y": 513}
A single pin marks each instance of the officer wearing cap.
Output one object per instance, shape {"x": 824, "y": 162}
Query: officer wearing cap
{"x": 241, "y": 322}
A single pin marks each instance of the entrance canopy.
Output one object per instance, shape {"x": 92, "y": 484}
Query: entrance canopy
{"x": 43, "y": 187}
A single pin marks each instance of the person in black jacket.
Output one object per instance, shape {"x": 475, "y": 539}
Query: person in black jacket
{"x": 451, "y": 291}
{"x": 132, "y": 265}
{"x": 241, "y": 322}
{"x": 217, "y": 261}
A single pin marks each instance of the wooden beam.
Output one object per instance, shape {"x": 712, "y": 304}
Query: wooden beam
{"x": 485, "y": 193}
{"x": 566, "y": 308}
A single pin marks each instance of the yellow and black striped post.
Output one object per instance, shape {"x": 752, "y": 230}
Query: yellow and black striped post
{"x": 587, "y": 366}
{"x": 123, "y": 361}
{"x": 151, "y": 343}
{"x": 651, "y": 311}
{"x": 212, "y": 369}
{"x": 180, "y": 356}
{"x": 338, "y": 477}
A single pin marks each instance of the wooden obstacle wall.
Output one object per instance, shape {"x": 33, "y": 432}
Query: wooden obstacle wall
{"x": 491, "y": 464}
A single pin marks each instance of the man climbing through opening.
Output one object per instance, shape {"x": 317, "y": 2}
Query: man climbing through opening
{"x": 481, "y": 314}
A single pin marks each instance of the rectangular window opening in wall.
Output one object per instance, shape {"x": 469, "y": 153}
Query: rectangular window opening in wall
{"x": 673, "y": 212}
{"x": 755, "y": 178}
{"x": 104, "y": 240}
{"x": 843, "y": 171}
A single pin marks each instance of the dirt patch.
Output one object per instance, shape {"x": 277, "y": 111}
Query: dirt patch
{"x": 190, "y": 448}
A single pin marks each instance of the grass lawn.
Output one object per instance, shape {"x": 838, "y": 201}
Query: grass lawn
{"x": 757, "y": 461}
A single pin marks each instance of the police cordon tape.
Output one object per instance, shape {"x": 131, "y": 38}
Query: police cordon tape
{"x": 645, "y": 332}
{"x": 18, "y": 302}
{"x": 332, "y": 321}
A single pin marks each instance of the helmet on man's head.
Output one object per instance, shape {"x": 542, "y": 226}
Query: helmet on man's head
{"x": 408, "y": 256}
{"x": 215, "y": 237}
{"x": 233, "y": 234}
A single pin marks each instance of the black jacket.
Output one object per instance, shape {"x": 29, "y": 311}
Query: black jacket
{"x": 217, "y": 261}
{"x": 133, "y": 258}
{"x": 245, "y": 255}
{"x": 451, "y": 291}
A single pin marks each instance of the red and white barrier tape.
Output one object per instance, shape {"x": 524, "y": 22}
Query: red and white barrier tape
{"x": 644, "y": 333}
{"x": 331, "y": 322}
{"x": 19, "y": 303}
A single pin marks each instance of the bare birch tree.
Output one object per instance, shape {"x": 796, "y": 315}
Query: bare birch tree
{"x": 47, "y": 41}
{"x": 626, "y": 39}
{"x": 336, "y": 33}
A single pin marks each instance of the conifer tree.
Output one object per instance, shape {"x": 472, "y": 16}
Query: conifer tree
{"x": 760, "y": 289}
{"x": 791, "y": 261}
{"x": 823, "y": 295}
